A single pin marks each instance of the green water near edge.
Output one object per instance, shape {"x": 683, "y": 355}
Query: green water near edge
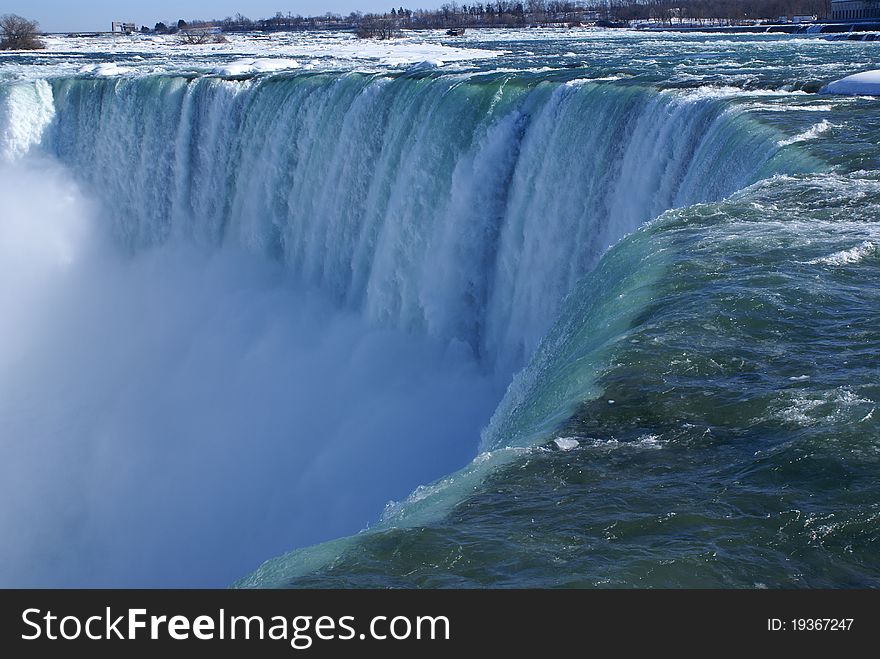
{"x": 731, "y": 437}
{"x": 735, "y": 441}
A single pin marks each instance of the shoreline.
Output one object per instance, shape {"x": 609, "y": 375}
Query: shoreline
{"x": 812, "y": 28}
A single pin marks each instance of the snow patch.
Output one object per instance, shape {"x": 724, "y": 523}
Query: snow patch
{"x": 253, "y": 66}
{"x": 866, "y": 83}
{"x": 105, "y": 69}
{"x": 249, "y": 54}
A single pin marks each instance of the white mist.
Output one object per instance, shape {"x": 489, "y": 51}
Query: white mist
{"x": 174, "y": 418}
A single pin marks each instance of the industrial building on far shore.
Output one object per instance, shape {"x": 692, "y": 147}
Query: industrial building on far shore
{"x": 848, "y": 10}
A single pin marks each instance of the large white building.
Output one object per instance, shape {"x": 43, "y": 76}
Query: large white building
{"x": 847, "y": 10}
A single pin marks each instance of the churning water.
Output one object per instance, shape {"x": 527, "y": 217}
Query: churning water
{"x": 590, "y": 309}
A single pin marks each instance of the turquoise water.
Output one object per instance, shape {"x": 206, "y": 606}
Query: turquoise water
{"x": 656, "y": 256}
{"x": 734, "y": 441}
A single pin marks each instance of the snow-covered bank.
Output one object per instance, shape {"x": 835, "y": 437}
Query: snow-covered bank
{"x": 250, "y": 53}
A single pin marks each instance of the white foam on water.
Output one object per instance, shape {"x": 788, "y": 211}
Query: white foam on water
{"x": 810, "y": 134}
{"x": 848, "y": 256}
{"x": 808, "y": 407}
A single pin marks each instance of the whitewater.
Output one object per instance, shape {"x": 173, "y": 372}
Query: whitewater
{"x": 530, "y": 308}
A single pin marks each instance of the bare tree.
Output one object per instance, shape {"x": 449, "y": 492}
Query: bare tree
{"x": 196, "y": 36}
{"x": 373, "y": 26}
{"x": 17, "y": 33}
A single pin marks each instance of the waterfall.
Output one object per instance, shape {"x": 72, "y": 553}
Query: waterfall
{"x": 461, "y": 207}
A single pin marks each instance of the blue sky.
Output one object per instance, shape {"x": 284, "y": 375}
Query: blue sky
{"x": 63, "y": 15}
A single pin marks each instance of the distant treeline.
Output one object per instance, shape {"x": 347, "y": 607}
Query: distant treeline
{"x": 508, "y": 13}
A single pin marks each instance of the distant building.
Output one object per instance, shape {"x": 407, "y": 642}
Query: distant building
{"x": 124, "y": 28}
{"x": 848, "y": 10}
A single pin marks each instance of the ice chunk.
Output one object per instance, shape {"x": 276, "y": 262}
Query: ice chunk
{"x": 428, "y": 64}
{"x": 566, "y": 443}
{"x": 105, "y": 69}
